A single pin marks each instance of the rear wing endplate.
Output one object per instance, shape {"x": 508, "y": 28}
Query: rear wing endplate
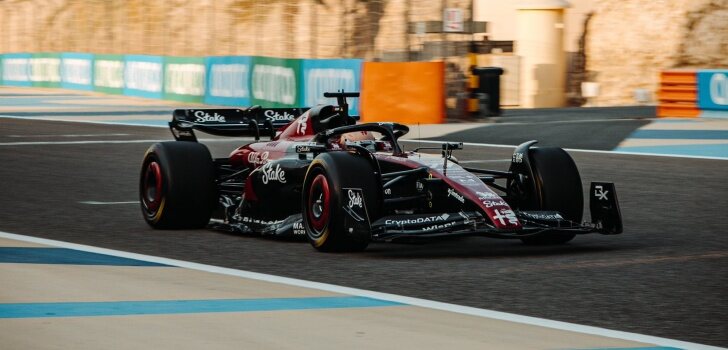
{"x": 253, "y": 121}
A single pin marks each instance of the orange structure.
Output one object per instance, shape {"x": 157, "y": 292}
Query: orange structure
{"x": 403, "y": 92}
{"x": 678, "y": 94}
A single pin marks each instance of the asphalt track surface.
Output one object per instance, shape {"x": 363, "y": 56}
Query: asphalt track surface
{"x": 601, "y": 128}
{"x": 665, "y": 276}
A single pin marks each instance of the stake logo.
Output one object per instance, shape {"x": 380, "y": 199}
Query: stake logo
{"x": 490, "y": 204}
{"x": 355, "y": 199}
{"x": 273, "y": 174}
{"x": 202, "y": 117}
{"x": 274, "y": 116}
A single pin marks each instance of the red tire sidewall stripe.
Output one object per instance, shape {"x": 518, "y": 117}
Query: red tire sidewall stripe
{"x": 154, "y": 170}
{"x": 319, "y": 224}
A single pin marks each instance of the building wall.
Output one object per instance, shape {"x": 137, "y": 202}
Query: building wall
{"x": 280, "y": 28}
{"x": 502, "y": 19}
{"x": 631, "y": 41}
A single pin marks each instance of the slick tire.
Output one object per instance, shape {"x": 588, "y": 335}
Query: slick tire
{"x": 177, "y": 185}
{"x": 558, "y": 187}
{"x": 324, "y": 197}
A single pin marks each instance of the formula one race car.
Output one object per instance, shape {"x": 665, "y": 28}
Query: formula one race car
{"x": 343, "y": 185}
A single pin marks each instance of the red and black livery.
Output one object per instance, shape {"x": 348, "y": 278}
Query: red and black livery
{"x": 342, "y": 185}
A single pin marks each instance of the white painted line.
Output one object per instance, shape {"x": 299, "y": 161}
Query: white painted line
{"x": 574, "y": 150}
{"x": 95, "y": 142}
{"x": 646, "y": 154}
{"x": 464, "y": 143}
{"x": 466, "y": 310}
{"x": 108, "y": 203}
{"x": 484, "y": 161}
{"x": 570, "y": 121}
{"x": 85, "y": 121}
{"x": 89, "y": 142}
{"x": 78, "y": 135}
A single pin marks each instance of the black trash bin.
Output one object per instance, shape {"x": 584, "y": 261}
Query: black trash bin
{"x": 488, "y": 89}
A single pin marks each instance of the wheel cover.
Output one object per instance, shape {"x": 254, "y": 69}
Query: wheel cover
{"x": 152, "y": 187}
{"x": 318, "y": 204}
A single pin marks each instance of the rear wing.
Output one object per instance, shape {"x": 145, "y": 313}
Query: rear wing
{"x": 253, "y": 121}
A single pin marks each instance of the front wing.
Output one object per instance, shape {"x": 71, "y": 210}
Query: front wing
{"x": 603, "y": 204}
{"x": 410, "y": 227}
{"x": 604, "y": 207}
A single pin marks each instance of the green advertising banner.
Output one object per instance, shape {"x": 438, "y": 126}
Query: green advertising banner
{"x": 109, "y": 74}
{"x": 45, "y": 69}
{"x": 184, "y": 79}
{"x": 275, "y": 82}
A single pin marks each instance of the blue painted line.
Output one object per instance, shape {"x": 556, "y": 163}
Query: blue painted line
{"x": 25, "y": 255}
{"x": 714, "y": 114}
{"x": 48, "y": 97}
{"x": 10, "y": 103}
{"x": 39, "y": 96}
{"x": 719, "y": 150}
{"x": 164, "y": 307}
{"x": 681, "y": 134}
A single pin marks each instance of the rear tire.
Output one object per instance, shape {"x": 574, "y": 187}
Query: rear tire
{"x": 558, "y": 187}
{"x": 324, "y": 198}
{"x": 177, "y": 185}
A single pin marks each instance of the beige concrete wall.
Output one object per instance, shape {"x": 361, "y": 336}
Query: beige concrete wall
{"x": 540, "y": 46}
{"x": 279, "y": 28}
{"x": 502, "y": 24}
{"x": 631, "y": 41}
{"x": 547, "y": 87}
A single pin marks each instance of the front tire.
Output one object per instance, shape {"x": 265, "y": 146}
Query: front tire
{"x": 177, "y": 185}
{"x": 558, "y": 188}
{"x": 325, "y": 194}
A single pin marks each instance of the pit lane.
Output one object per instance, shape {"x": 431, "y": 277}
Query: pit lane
{"x": 665, "y": 276}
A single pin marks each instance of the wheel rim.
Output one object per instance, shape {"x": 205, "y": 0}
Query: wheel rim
{"x": 152, "y": 187}
{"x": 318, "y": 204}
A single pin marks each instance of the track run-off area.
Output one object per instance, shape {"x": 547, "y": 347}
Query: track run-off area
{"x": 73, "y": 186}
